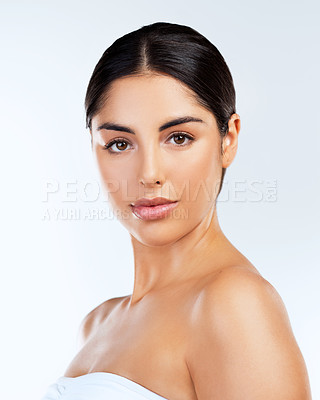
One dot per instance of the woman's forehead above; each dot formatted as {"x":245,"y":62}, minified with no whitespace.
{"x":150,"y":96}
{"x":150,"y":88}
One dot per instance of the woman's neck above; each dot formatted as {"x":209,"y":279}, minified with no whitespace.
{"x":191,"y":256}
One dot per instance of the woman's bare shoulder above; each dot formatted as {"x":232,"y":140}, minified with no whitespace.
{"x":93,"y":319}
{"x":241,"y":277}
{"x":234,"y":291}
{"x":241,"y":334}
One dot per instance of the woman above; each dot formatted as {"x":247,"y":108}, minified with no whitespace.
{"x":201,"y":323}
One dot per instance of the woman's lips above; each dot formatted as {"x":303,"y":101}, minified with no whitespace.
{"x":153,"y":212}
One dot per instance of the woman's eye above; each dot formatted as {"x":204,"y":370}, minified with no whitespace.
{"x":120,"y":146}
{"x":179,"y":139}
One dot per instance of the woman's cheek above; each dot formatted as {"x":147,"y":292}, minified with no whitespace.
{"x":205,"y":179}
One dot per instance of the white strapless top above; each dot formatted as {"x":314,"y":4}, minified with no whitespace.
{"x":98,"y":386}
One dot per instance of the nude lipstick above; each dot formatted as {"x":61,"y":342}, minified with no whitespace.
{"x":151,"y":209}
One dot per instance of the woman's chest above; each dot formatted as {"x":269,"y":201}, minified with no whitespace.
{"x":147,"y":346}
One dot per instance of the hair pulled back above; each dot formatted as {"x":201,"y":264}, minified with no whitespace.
{"x":167,"y":48}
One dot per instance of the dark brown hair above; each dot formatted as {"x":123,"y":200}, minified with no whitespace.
{"x":176,"y":50}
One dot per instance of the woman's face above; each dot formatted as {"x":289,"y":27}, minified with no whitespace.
{"x":188,"y":167}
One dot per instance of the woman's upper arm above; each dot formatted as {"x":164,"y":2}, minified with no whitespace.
{"x":243,"y":346}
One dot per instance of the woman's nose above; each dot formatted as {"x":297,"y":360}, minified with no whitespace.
{"x":151,"y":170}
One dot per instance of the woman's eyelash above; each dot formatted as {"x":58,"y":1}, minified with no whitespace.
{"x":119,"y":140}
{"x":185,"y":135}
{"x":122,"y":140}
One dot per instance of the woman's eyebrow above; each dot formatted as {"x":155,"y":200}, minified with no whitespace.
{"x":177,"y":121}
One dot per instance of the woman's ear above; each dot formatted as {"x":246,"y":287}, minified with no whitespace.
{"x":91,"y":136}
{"x":230,"y":141}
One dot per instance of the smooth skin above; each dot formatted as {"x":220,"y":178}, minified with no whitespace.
{"x":201,"y":323}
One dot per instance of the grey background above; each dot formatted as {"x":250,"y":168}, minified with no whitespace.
{"x":54,"y":271}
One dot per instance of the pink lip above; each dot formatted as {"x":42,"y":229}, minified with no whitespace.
{"x":155,"y":201}
{"x":153,"y":212}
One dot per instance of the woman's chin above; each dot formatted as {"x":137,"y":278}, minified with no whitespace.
{"x":155,"y":235}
